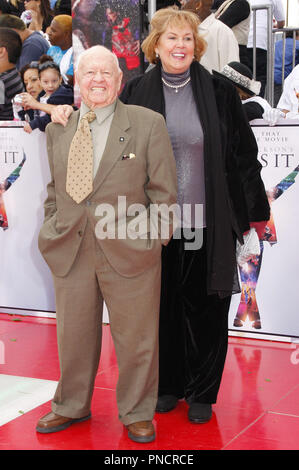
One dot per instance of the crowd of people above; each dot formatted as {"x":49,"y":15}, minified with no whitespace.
{"x":215,"y":155}
{"x":36,"y":60}
{"x":45,"y":28}
{"x":177,"y":133}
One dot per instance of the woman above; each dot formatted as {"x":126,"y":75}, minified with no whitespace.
{"x":217,"y":168}
{"x":30,"y":76}
{"x":54,"y":93}
{"x":248,"y":89}
{"x":41,"y":14}
{"x":216,"y":157}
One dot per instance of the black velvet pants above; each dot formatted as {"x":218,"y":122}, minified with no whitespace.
{"x":193,"y":327}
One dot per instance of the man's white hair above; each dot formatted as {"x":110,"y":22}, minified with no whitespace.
{"x":96,"y":48}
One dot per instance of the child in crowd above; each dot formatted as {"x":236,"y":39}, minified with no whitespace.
{"x":54,"y":93}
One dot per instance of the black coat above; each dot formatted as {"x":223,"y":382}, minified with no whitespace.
{"x":235,"y":193}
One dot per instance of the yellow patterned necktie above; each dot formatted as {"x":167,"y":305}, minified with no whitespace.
{"x":79,"y":176}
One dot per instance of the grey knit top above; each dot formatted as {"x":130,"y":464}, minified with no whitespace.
{"x":187,"y":140}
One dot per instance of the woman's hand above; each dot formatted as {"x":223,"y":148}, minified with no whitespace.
{"x":61,"y":114}
{"x":27,"y":128}
{"x":28,"y":102}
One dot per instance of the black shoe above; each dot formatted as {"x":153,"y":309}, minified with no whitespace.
{"x":200,"y":412}
{"x":166,"y":403}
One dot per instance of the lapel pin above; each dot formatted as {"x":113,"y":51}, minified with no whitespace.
{"x":121,"y":139}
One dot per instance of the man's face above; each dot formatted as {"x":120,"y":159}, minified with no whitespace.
{"x":99,"y":79}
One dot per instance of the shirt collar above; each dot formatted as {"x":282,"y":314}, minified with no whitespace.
{"x":101,"y":113}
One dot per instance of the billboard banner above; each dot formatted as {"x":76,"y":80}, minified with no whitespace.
{"x":25,"y":280}
{"x":268,"y":301}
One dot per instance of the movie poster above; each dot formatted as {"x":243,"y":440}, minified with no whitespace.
{"x":115,"y":24}
{"x":25,"y":280}
{"x":269,"y":283}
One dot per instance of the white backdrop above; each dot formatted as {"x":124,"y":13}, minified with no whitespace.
{"x":26,"y":284}
{"x":277,"y":287}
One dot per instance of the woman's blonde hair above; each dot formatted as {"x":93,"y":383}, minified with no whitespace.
{"x":172,"y":16}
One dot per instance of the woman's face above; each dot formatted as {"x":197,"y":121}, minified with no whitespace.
{"x":111,"y":15}
{"x":32,"y":83}
{"x":176,"y":49}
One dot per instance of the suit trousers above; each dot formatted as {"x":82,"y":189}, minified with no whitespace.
{"x":193,"y":326}
{"x":133,"y":306}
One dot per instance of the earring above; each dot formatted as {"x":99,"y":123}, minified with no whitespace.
{"x":157,"y":55}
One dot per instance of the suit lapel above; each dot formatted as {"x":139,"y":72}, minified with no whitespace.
{"x":117,"y":142}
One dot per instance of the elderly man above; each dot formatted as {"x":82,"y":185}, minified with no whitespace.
{"x":132,"y":160}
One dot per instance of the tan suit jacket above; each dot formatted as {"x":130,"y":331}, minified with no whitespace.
{"x":148,"y":178}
